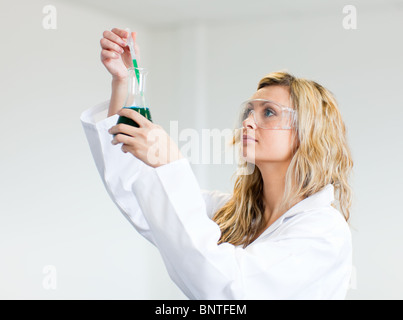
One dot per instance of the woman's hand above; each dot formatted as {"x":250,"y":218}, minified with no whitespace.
{"x":150,"y":142}
{"x":115,"y":54}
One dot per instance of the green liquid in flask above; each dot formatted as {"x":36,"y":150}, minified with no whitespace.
{"x":145,"y":112}
{"x":135,"y":99}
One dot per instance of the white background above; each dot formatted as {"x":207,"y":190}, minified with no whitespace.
{"x":205,"y":57}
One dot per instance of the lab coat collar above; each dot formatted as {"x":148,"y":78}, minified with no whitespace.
{"x":319,"y":199}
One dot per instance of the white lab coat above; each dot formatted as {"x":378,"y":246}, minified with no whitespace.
{"x":305,"y":254}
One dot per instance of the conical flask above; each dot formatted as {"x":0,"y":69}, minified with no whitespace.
{"x":135,"y":98}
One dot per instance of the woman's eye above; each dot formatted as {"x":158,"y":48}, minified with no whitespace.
{"x":268,"y":112}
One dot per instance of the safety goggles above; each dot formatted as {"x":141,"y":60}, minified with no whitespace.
{"x":267,"y":114}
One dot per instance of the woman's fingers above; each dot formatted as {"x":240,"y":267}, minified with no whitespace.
{"x":116,"y":41}
{"x":135,"y":116}
{"x":121,"y":33}
{"x":125,"y":129}
{"x":121,"y":138}
{"x":106,"y":54}
{"x":112,"y":41}
{"x":112,"y":36}
{"x":109,"y":45}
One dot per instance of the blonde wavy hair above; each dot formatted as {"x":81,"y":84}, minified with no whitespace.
{"x":321,"y":157}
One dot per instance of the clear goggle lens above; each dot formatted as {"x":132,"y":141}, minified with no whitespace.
{"x":267,"y":114}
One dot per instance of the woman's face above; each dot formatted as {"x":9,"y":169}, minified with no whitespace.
{"x":271,"y":145}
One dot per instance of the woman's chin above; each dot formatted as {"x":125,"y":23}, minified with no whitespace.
{"x":248,"y":156}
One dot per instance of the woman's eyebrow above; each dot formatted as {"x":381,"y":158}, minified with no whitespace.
{"x":269,"y":103}
{"x":273,"y":103}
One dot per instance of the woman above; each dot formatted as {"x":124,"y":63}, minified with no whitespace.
{"x":279,"y":235}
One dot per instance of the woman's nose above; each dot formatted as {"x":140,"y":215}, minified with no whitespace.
{"x":249,"y":122}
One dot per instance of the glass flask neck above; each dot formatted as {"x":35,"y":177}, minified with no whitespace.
{"x":136,"y":88}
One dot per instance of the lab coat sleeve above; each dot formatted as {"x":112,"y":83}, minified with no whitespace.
{"x":117,"y":169}
{"x":289,"y":268}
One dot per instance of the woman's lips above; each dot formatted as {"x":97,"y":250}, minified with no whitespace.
{"x":245,"y":138}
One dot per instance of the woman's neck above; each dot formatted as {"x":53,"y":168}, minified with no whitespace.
{"x":273,"y":175}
